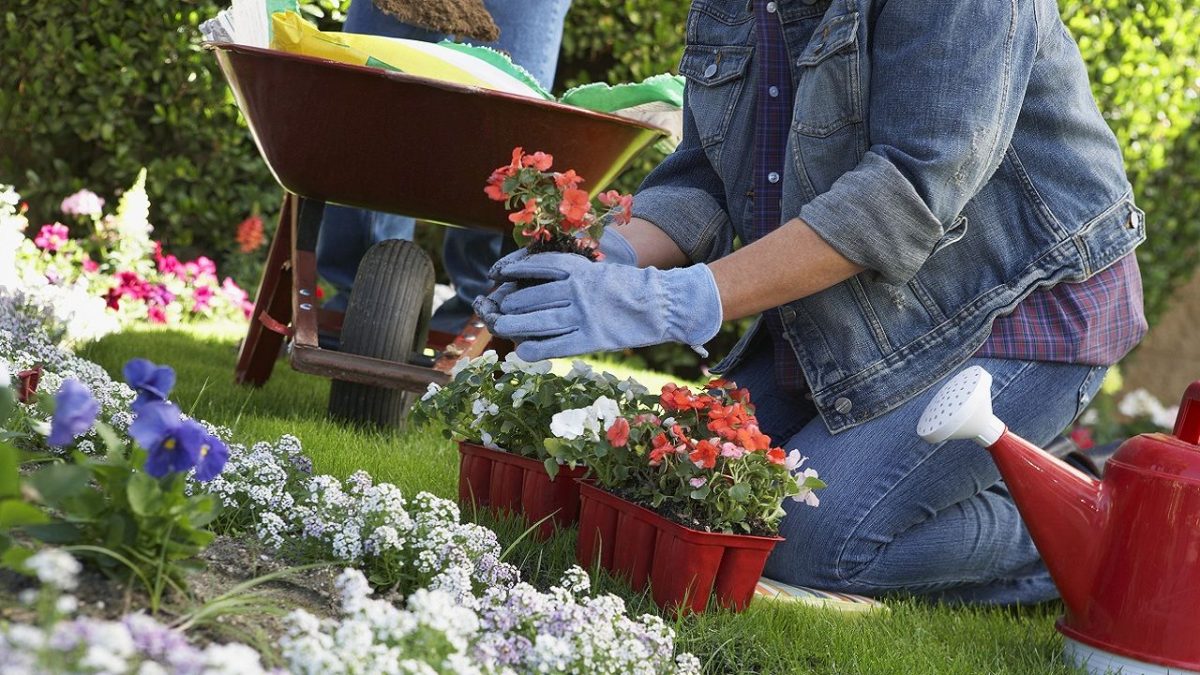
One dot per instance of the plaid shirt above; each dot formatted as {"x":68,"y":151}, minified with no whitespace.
{"x":1094,"y":322}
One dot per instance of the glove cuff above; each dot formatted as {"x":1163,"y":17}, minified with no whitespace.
{"x":693,"y":292}
{"x":616,"y":248}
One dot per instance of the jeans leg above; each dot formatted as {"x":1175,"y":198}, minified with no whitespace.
{"x":530,"y":33}
{"x":903,"y":515}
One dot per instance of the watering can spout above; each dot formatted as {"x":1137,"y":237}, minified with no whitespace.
{"x":1063,"y":508}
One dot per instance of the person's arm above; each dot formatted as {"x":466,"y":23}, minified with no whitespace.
{"x":679,"y":211}
{"x":941,"y":119}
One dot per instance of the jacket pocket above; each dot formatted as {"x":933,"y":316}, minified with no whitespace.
{"x":828,"y":90}
{"x":715,"y":77}
{"x":956,"y":231}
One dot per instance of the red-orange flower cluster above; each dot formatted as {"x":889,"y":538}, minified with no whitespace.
{"x":250,"y":234}
{"x":724,"y":411}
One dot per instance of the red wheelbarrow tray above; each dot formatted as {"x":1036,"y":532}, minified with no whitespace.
{"x":394,"y":142}
{"x":388,"y":141}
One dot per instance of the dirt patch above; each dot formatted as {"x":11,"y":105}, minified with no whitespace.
{"x":461,"y":18}
{"x":229,"y":561}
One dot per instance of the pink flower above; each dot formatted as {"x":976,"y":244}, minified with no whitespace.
{"x":82,"y":203}
{"x":732,"y":451}
{"x":156,"y":314}
{"x":202,"y":297}
{"x":52,"y":237}
{"x":698,"y":482}
{"x":169,"y":265}
{"x":90,"y":266}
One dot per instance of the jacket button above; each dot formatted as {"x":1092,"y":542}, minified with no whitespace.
{"x":710,"y":70}
{"x":843,"y":405}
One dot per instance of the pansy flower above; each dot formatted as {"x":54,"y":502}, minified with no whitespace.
{"x":172,"y":444}
{"x":75,"y":412}
{"x":151,"y":382}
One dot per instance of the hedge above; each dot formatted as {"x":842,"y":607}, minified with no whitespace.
{"x":91,"y":92}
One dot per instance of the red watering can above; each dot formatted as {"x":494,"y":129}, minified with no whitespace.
{"x":1124,"y":551}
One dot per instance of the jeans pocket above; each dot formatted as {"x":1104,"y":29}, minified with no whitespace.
{"x":1087,"y":391}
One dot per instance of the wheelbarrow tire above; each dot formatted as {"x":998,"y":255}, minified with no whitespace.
{"x":387,"y":316}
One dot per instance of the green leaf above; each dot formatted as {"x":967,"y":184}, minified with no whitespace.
{"x":740,"y":492}
{"x":551,"y":467}
{"x":59,"y":482}
{"x":701,"y":493}
{"x":14,"y":558}
{"x":16,"y":513}
{"x":10,"y":476}
{"x":145,"y":495}
{"x":55,"y":533}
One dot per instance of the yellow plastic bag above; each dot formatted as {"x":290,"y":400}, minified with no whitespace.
{"x":291,"y":33}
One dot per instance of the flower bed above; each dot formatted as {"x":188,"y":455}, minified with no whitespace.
{"x":465,"y":609}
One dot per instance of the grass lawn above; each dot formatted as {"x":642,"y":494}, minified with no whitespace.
{"x":768,"y":638}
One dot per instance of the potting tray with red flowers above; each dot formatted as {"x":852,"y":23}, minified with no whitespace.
{"x":684,"y":568}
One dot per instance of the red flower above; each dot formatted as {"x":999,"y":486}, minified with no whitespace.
{"x":1082,"y":436}
{"x":675,"y":398}
{"x":493,"y":191}
{"x":156,"y":314}
{"x":250,"y":234}
{"x":113,"y":298}
{"x":518,"y":153}
{"x":662,"y":448}
{"x":574,"y":205}
{"x":618,"y":433}
{"x":777,"y":456}
{"x":610,"y":198}
{"x":538,"y":160}
{"x":525,"y":216}
{"x":626,"y":213}
{"x":570,"y":179}
{"x":705,"y":455}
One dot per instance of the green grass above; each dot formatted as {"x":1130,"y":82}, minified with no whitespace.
{"x":913,"y":637}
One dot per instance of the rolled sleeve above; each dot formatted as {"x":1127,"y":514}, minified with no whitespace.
{"x":940,"y":122}
{"x":685,"y":198}
{"x":874,"y":217}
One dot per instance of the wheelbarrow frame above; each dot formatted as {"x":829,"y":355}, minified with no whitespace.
{"x":267,"y":84}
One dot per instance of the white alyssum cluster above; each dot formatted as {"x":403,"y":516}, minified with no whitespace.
{"x":1140,"y":403}
{"x":56,"y":568}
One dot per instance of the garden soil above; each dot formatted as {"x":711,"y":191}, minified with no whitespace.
{"x":461,"y":18}
{"x":228,"y":561}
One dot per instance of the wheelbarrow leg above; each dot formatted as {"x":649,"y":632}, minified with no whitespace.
{"x":272,"y":304}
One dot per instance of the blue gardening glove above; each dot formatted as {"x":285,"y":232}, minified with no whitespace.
{"x":587,"y":307}
{"x":616,"y":250}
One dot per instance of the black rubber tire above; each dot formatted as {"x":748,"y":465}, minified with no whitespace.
{"x":387,"y":317}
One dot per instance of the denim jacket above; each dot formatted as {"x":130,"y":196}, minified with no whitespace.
{"x":950,"y":147}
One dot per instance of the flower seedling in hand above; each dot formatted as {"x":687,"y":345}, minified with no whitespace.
{"x":550,"y":211}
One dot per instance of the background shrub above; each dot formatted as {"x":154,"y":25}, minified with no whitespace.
{"x":92,"y":91}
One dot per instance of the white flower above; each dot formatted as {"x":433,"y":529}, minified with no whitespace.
{"x":66,"y":604}
{"x":431,"y":390}
{"x":513,"y":363}
{"x":606,"y":411}
{"x":56,"y":568}
{"x":569,"y":424}
{"x":1140,"y":403}
{"x":806,"y":494}
{"x":579,"y":371}
{"x":794,"y":460}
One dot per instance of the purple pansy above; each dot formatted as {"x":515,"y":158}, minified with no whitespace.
{"x":172,"y":444}
{"x":74,"y":413}
{"x":213,"y":455}
{"x":152,"y":382}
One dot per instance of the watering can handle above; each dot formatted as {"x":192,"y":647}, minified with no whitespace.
{"x":1187,"y":423}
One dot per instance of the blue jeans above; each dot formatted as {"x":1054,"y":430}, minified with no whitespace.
{"x":901,"y":515}
{"x":530,"y":32}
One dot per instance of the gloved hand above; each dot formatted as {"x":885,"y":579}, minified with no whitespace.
{"x":587,"y":307}
{"x":616,"y":250}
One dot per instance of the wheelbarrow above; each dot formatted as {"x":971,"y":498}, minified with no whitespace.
{"x":386,"y":141}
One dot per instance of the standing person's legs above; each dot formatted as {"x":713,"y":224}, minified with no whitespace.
{"x":903,"y":515}
{"x":530,"y":33}
{"x":348,"y":233}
